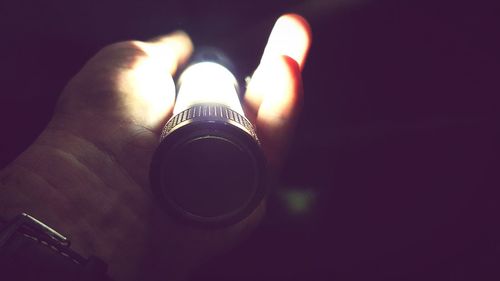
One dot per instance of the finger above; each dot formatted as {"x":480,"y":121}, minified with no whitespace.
{"x":173,"y":49}
{"x":291,"y":37}
{"x":279,"y":109}
{"x":274,"y":93}
{"x":150,"y":78}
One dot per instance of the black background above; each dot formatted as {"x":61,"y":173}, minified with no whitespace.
{"x":397,"y":146}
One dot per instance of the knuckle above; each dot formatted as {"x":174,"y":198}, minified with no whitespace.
{"x":121,"y":55}
{"x":125,"y":49}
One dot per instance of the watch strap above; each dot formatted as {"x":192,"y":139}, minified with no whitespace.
{"x":30,"y":250}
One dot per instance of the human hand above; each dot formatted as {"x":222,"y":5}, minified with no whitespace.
{"x":87,"y":173}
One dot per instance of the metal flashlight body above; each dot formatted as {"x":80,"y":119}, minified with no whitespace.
{"x":209,"y":168}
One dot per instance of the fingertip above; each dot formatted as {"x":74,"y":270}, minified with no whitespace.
{"x":301,"y":22}
{"x":176,"y":45}
{"x":290,"y":36}
{"x":177,"y":36}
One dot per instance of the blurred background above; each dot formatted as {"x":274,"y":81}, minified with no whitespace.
{"x":393,"y":171}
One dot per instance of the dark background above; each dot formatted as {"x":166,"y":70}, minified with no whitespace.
{"x":393,"y":170}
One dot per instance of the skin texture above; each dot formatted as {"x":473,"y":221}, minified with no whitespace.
{"x":87,"y":173}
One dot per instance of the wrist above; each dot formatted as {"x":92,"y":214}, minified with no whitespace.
{"x":53,"y":181}
{"x":27,"y":188}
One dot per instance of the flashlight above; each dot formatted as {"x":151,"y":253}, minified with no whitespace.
{"x":209,"y":168}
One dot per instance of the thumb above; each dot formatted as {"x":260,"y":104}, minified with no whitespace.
{"x":172,"y":50}
{"x":151,"y":76}
{"x":129,"y":81}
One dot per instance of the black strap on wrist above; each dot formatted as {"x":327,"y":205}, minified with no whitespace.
{"x":30,"y":250}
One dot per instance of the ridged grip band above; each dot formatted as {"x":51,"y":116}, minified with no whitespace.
{"x":213,"y":112}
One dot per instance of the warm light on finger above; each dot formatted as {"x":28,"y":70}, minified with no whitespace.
{"x":171,"y":50}
{"x":148,"y":86}
{"x":150,"y":91}
{"x":270,"y":81}
{"x":291,"y":36}
{"x":281,"y":80}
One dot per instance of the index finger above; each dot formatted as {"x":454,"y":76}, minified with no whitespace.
{"x":274,"y":93}
{"x":291,"y":37}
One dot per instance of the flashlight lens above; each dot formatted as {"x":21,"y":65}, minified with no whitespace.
{"x":224,"y":174}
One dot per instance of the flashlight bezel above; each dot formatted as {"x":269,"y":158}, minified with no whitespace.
{"x":180,"y":130}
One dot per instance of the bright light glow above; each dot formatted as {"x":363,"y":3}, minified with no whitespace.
{"x":291,"y":36}
{"x":146,"y":91}
{"x":272,"y":91}
{"x":207,"y":82}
